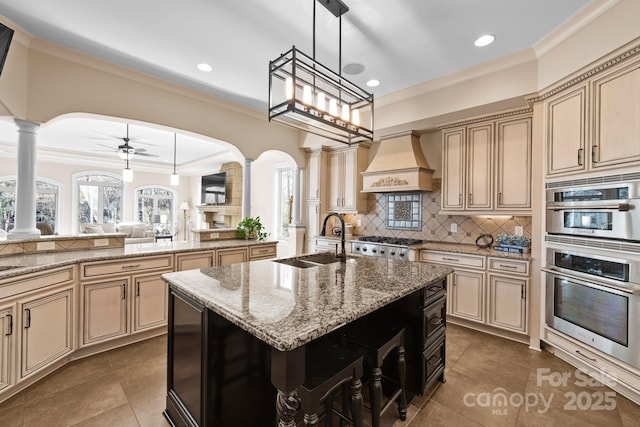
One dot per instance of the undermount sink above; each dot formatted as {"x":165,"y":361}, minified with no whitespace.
{"x":313,"y":260}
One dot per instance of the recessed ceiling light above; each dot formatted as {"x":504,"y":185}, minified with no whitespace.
{"x":353,"y":68}
{"x":205,"y":67}
{"x":373,"y":83}
{"x":484,"y":40}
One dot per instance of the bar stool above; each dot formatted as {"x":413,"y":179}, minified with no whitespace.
{"x":329,"y":366}
{"x":375,"y":338}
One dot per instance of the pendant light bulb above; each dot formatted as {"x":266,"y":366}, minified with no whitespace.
{"x":355,"y":117}
{"x":345,"y":113}
{"x":175,"y":178}
{"x":288,"y":88}
{"x":321,"y":102}
{"x":306,"y":95}
{"x":333,"y":107}
{"x":127,"y":175}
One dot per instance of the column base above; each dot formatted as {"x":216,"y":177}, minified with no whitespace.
{"x":23,"y":234}
{"x":296,"y":239}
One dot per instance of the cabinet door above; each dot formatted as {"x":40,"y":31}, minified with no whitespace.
{"x":313,"y":222}
{"x":151,"y":302}
{"x":315,"y":175}
{"x":104,"y":310}
{"x":335,"y":172}
{"x":480,"y":168}
{"x":468,"y":295}
{"x":6,"y":346}
{"x":507,"y":303}
{"x":47,"y":330}
{"x":231,"y":256}
{"x":453,"y":169}
{"x":616,"y":139}
{"x":567,"y":122}
{"x":194,"y":260}
{"x":514,"y":164}
{"x":350,"y":192}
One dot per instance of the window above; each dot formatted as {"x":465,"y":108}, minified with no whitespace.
{"x":99,"y":199}
{"x":285,"y":201}
{"x":47,"y":195}
{"x":155,"y":206}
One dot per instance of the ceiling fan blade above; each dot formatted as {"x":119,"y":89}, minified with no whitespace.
{"x":108,"y":146}
{"x":138,"y":153}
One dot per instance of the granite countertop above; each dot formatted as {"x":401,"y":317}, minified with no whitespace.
{"x":462,"y":248}
{"x":287,"y":307}
{"x":30,"y":263}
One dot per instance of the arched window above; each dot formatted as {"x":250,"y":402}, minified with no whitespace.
{"x":47,"y":196}
{"x":156,"y":207}
{"x":99,"y":199}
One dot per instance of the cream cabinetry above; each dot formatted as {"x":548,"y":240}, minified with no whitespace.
{"x":566,"y":131}
{"x":123,"y":297}
{"x":485,"y":292}
{"x":46,"y":329}
{"x":345,"y":179}
{"x":195,"y":260}
{"x":316,"y":170}
{"x":513,"y":172}
{"x":486,"y":168}
{"x":231,"y":256}
{"x":468,"y":166}
{"x":7,"y":343}
{"x":593,"y":126}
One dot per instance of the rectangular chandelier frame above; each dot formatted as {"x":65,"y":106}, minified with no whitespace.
{"x":306,"y":95}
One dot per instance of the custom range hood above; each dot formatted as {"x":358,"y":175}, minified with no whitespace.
{"x":399,"y":165}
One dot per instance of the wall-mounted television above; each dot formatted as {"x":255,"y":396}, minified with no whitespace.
{"x":6,"y":34}
{"x":214,"y":189}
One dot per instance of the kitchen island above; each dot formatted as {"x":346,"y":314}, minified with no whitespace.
{"x":237,"y":331}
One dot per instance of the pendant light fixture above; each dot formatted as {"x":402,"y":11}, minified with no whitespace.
{"x":127,"y":174}
{"x":307,"y":95}
{"x":175,"y":178}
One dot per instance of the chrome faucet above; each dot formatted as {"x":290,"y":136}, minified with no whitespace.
{"x":343,"y":253}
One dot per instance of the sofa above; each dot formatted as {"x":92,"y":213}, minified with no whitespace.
{"x":134,"y":232}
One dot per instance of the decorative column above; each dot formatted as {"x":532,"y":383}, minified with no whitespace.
{"x":246,"y":188}
{"x":297,"y":228}
{"x":25,"y":212}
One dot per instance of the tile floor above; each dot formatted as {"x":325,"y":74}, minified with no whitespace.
{"x":126,"y":387}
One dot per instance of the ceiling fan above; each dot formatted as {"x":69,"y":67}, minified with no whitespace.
{"x":127,"y":150}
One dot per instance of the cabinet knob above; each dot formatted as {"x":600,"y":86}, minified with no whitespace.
{"x":10,"y":317}
{"x":28,"y":322}
{"x":580,"y":157}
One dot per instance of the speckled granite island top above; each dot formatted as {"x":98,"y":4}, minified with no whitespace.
{"x":287,"y":307}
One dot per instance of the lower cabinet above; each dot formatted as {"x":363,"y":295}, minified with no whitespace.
{"x":150,"y":302}
{"x":507,"y":302}
{"x":6,"y":345}
{"x":231,"y":256}
{"x":195,"y":260}
{"x":467,"y":294}
{"x":46,"y":330}
{"x":486,"y":291}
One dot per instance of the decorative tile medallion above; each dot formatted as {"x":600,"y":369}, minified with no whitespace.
{"x":404,"y":211}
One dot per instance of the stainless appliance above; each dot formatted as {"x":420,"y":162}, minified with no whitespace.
{"x":593,"y":295}
{"x":386,"y":247}
{"x":606,"y":207}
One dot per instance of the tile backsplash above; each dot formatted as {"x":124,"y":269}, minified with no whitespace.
{"x":436,"y":227}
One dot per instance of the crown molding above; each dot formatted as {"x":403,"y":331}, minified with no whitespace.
{"x":481,"y":119}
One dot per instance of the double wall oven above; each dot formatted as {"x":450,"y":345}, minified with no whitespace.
{"x":593,"y":263}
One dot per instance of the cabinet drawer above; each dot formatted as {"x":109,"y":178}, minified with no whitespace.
{"x":509,"y":266}
{"x":453,"y":259}
{"x":125,"y":266}
{"x":262,"y":251}
{"x":433,"y":362}
{"x":434,"y":321}
{"x":31,"y":282}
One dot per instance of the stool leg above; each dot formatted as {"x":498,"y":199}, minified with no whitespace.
{"x":345,"y":403}
{"x":356,"y":402}
{"x":402,"y":372}
{"x":376,"y":396}
{"x":311,"y":419}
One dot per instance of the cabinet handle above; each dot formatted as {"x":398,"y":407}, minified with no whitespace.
{"x":316,"y":208}
{"x":454,"y":280}
{"x":450,"y":259}
{"x":10,"y":317}
{"x":435,"y":321}
{"x":337,"y":201}
{"x":499,"y":198}
{"x":469,"y":201}
{"x":595,"y":154}
{"x":343,"y":202}
{"x":137,"y":289}
{"x":124,"y":292}
{"x":580,"y":156}
{"x":130,"y":266}
{"x":508,"y":266}
{"x":317,"y":193}
{"x":28,"y":311}
{"x":522,"y":291}
{"x":460,"y":199}
{"x":586,"y":357}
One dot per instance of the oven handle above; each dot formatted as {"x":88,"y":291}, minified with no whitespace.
{"x":622,"y":207}
{"x":631,"y":290}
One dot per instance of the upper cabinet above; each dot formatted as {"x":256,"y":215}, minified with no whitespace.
{"x":316,"y":161}
{"x":486,"y":167}
{"x":594,"y":125}
{"x":345,"y":179}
